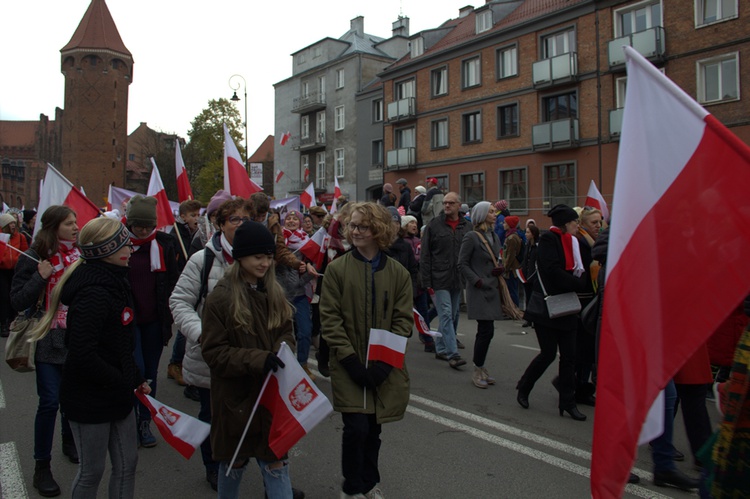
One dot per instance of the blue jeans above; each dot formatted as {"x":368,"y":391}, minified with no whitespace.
{"x":48,"y":377}
{"x":447,"y":304}
{"x":205,"y":415}
{"x":512,"y":283}
{"x":148,"y":348}
{"x":302,"y":327}
{"x":276,"y":481}
{"x":662,"y":450}
{"x":178,"y":349}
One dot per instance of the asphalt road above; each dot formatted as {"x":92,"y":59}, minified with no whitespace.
{"x":456,"y":441}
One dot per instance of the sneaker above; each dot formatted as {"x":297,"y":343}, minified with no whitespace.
{"x":191,"y":392}
{"x":375,"y":493}
{"x":145,"y":437}
{"x":174,"y":371}
{"x":456,"y":362}
{"x":478,"y":378}
{"x":489,"y":379}
{"x":441,"y":356}
{"x":459,"y":344}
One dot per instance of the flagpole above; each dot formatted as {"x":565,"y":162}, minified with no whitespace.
{"x":23,"y":253}
{"x":247,"y":426}
{"x":364,"y":388}
{"x":179,"y":238}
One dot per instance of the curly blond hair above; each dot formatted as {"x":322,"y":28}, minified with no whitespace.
{"x":380,"y":221}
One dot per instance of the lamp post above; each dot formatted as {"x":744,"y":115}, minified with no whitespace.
{"x":235,"y":99}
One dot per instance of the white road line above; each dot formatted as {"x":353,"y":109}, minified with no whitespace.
{"x":2,"y":396}
{"x":527,"y":451}
{"x":526,"y":347}
{"x":11,"y":478}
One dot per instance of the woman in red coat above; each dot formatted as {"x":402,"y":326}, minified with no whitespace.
{"x":8,"y":259}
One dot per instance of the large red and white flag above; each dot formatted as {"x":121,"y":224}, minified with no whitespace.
{"x":387,"y":347}
{"x":336,"y":195}
{"x":295,"y":403}
{"x":595,"y":199}
{"x":285,"y":138}
{"x":184,"y":192}
{"x":184,"y":433}
{"x":307,"y":198}
{"x":316,"y":247}
{"x":164,"y":215}
{"x":57,"y":190}
{"x":654,"y":317}
{"x":279,"y":174}
{"x":236,"y":180}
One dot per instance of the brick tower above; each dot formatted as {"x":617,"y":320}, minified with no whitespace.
{"x":98,"y":69}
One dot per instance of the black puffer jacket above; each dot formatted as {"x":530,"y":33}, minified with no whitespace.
{"x":99,"y":374}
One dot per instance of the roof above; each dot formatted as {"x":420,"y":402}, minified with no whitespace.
{"x":97,"y":30}
{"x":18,"y":133}
{"x":362,"y":44}
{"x":264,"y":152}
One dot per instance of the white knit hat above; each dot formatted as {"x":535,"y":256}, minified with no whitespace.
{"x":406,"y":219}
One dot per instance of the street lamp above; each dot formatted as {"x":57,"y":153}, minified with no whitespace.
{"x":236,"y":99}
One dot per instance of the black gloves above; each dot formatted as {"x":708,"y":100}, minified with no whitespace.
{"x":378,"y":372}
{"x":272,"y":363}
{"x":355,"y":368}
{"x":478,"y":284}
{"x":498,"y":271}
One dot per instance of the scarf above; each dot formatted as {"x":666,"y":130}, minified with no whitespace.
{"x":226,"y":249}
{"x":67,"y":254}
{"x":156,"y":252}
{"x":295,"y":239}
{"x":572,"y":251}
{"x":595,"y":265}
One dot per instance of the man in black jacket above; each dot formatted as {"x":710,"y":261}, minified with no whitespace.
{"x":405,"y":194}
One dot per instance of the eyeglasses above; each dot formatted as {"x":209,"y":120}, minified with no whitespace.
{"x":235,"y":220}
{"x":362,"y":229}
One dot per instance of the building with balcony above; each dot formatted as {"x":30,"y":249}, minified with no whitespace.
{"x":318,"y":105}
{"x":522,"y":99}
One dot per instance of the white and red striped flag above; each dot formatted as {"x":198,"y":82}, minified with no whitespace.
{"x":387,"y":347}
{"x":422,"y":326}
{"x":595,"y":199}
{"x":307,"y":198}
{"x":306,"y":175}
{"x":184,"y":433}
{"x":653,"y":319}
{"x":56,"y":190}
{"x":184,"y":192}
{"x":316,"y":247}
{"x":4,"y":242}
{"x":279,"y":174}
{"x":285,"y":138}
{"x":336,"y":195}
{"x":236,"y":180}
{"x":164,"y":215}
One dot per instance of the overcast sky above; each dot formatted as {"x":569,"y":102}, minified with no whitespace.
{"x":185,"y":51}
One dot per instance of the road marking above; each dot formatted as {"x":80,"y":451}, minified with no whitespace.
{"x":526,"y":347}
{"x":2,"y":396}
{"x":11,"y":478}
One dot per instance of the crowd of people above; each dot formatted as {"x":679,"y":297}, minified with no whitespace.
{"x":234,"y":284}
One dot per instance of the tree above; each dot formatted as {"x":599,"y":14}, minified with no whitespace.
{"x":204,"y":154}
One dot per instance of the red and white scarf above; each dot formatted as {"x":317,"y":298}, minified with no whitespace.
{"x":572,"y":251}
{"x":156,"y":252}
{"x":295,"y":239}
{"x":226,"y":249}
{"x":67,"y":254}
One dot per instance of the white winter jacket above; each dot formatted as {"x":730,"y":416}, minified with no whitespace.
{"x":187,"y":318}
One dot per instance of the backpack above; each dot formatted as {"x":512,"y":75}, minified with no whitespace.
{"x":208,"y":262}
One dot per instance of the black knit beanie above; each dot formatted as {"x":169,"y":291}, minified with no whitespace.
{"x":105,"y":248}
{"x":252,"y":238}
{"x":141,"y":211}
{"x":562,"y":214}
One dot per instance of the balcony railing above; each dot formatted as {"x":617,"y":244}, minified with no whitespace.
{"x":297,"y":186}
{"x":615,"y":122}
{"x":561,"y":68}
{"x":398,"y":159}
{"x":649,"y":43}
{"x":403,"y":109}
{"x":310,"y":102}
{"x":310,"y":142}
{"x":558,"y":134}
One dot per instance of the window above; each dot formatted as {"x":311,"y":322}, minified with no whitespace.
{"x":514,"y":188}
{"x":637,"y":18}
{"x":321,"y":128}
{"x":484,"y":21}
{"x":507,"y":62}
{"x":712,"y":11}
{"x":304,"y":167}
{"x":507,"y":120}
{"x":405,"y":89}
{"x":338,"y":118}
{"x":439,"y":133}
{"x":472,"y":127}
{"x":320,"y":170}
{"x":718,"y":79}
{"x":304,"y":127}
{"x":417,"y":47}
{"x":340,"y":78}
{"x":377,"y":152}
{"x":131,"y":157}
{"x":404,"y":137}
{"x":316,"y":52}
{"x":621,"y":85}
{"x":471,"y":74}
{"x":305,"y":89}
{"x":377,"y":110}
{"x":339,"y":162}
{"x":439,"y":81}
{"x":559,"y":43}
{"x":322,"y":88}
{"x":560,"y":107}
{"x":472,"y":188}
{"x":559,"y":185}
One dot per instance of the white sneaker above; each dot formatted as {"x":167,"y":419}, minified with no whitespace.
{"x":375,"y":493}
{"x":344,"y":495}
{"x":489,"y":379}
{"x":478,"y":378}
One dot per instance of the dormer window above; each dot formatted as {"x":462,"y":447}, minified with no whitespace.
{"x":484,"y":21}
{"x":417,"y":47}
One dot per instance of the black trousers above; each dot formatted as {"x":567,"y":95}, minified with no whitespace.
{"x":360,"y":448}
{"x":549,"y":342}
{"x":7,"y":314}
{"x":485,"y":333}
{"x":695,"y":415}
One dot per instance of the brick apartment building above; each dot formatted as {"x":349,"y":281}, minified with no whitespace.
{"x":522,"y":100}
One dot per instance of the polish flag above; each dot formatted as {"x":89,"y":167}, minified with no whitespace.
{"x":279,"y":174}
{"x":184,"y":433}
{"x":421,"y":325}
{"x":285,"y":138}
{"x":236,"y":180}
{"x":595,"y":199}
{"x":109,"y":198}
{"x":164,"y":215}
{"x":387,"y":347}
{"x":295,"y":403}
{"x":306,"y":175}
{"x":336,"y":194}
{"x":184,"y":192}
{"x":57,"y":190}
{"x":4,"y":242}
{"x":307,"y":198}
{"x":316,"y":247}
{"x":653,"y":318}
{"x":5,"y":207}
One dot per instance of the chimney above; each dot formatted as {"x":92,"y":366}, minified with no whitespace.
{"x":401,"y":27}
{"x":358,"y":25}
{"x":465,"y":11}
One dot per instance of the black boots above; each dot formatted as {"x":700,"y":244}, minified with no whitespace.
{"x":43,"y":480}
{"x":69,"y":449}
{"x":574,"y":413}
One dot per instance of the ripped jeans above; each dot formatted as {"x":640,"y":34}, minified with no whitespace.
{"x":276,"y":481}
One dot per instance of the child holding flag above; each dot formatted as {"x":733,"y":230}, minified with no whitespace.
{"x":365,"y":291}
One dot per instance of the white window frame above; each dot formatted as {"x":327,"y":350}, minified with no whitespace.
{"x":700,"y":7}
{"x":439,"y":87}
{"x":340,"y":78}
{"x":471,"y":75}
{"x":405,"y":89}
{"x":439,"y":129}
{"x":507,"y":56}
{"x":484,"y":21}
{"x":339,"y":118}
{"x":701,"y":77}
{"x":377,"y":110}
{"x":320,"y":127}
{"x":339,"y":162}
{"x":417,"y":47}
{"x":304,"y":163}
{"x":405,"y":137}
{"x":305,"y":89}
{"x":320,"y":170}
{"x":651,"y":23}
{"x":304,"y":127}
{"x":568,"y":41}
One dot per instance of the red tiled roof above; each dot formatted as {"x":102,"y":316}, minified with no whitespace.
{"x":18,"y":133}
{"x":264,"y":152}
{"x":97,"y":30}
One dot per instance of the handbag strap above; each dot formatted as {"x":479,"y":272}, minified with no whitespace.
{"x":487,"y":245}
{"x":539,"y":276}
